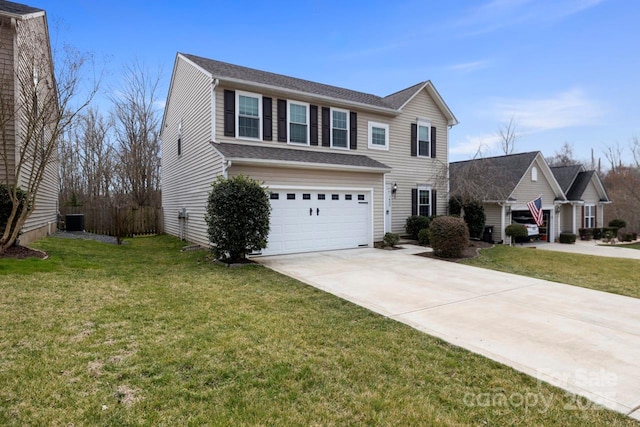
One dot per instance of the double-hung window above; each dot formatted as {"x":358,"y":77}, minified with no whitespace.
{"x":249,"y":110}
{"x":424,"y":140}
{"x":339,"y":128}
{"x":424,"y":201}
{"x":589,"y":216}
{"x":298,"y":123}
{"x":378,"y":136}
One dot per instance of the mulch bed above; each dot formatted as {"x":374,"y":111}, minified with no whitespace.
{"x":470,"y":252}
{"x":22,"y":252}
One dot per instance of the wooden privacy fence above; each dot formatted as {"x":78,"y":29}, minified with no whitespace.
{"x":126,"y":222}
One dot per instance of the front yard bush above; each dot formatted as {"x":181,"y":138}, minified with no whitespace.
{"x":449,"y":236}
{"x":517,"y":232}
{"x":391,"y":240}
{"x":237,"y":217}
{"x":568,"y":238}
{"x":617,"y":223}
{"x":423,"y":237}
{"x":6,"y":206}
{"x":473,"y":212}
{"x":585,"y":233}
{"x":414,"y":224}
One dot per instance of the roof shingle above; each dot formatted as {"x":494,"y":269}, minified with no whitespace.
{"x":242,"y":151}
{"x":17,"y":8}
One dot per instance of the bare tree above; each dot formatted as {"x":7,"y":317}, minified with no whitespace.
{"x":508,"y":136}
{"x":137,"y":124}
{"x":563,"y":157}
{"x":623,"y":183}
{"x":33,"y":116}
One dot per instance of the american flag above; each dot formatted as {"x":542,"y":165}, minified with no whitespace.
{"x":535,"y":207}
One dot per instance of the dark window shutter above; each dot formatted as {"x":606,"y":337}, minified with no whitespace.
{"x":326,"y":127}
{"x":414,"y":139}
{"x":282,"y":120}
{"x":582,"y":217}
{"x":414,"y":201}
{"x":433,"y":142}
{"x":313,"y":122}
{"x":229,"y":113}
{"x":179,"y":145}
{"x":267,"y":119}
{"x":434,"y":202}
{"x":353,"y":136}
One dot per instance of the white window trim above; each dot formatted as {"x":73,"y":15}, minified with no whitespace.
{"x":425,"y":188}
{"x":386,"y":136}
{"x":260,"y":118}
{"x":534,"y":174}
{"x":331,"y":128}
{"x":592,"y":216}
{"x":306,"y":105}
{"x":427,"y":124}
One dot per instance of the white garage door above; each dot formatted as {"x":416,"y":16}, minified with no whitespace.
{"x":305,"y":220}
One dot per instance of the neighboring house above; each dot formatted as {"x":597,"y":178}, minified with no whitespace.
{"x":343,"y":167}
{"x":25,"y":56}
{"x":505,"y":184}
{"x":586,"y":198}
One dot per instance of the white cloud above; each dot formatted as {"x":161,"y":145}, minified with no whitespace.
{"x":498,"y":14}
{"x":468,"y":67}
{"x":562,"y":110}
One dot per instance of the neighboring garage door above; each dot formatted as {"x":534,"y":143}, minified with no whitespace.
{"x":305,"y":220}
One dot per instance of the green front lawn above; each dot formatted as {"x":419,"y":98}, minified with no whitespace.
{"x":615,"y":275}
{"x":143,"y":334}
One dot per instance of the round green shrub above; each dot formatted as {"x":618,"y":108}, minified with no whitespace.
{"x":391,"y":239}
{"x":423,"y":237}
{"x":237,"y":217}
{"x":516,"y":231}
{"x":449,"y":236}
{"x":414,"y":224}
{"x":617,"y":223}
{"x":568,"y":238}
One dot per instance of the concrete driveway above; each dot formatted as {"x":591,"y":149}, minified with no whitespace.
{"x":591,"y":248}
{"x":584,"y":341}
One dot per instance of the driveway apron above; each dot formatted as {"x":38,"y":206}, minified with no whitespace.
{"x":583,"y":341}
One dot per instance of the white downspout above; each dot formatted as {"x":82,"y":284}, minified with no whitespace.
{"x":214,"y":83}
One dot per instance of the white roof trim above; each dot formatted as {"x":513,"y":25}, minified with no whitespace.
{"x":451,"y":119}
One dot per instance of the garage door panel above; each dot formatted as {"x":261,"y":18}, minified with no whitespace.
{"x":303,"y":221}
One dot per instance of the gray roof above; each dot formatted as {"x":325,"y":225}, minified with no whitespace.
{"x":579,"y":185}
{"x":495,"y":177}
{"x":241,"y":151}
{"x":224,"y":70}
{"x":566,"y":175}
{"x":17,"y":8}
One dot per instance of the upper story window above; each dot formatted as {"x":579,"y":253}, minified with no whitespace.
{"x":249,"y":112}
{"x":534,"y":173}
{"x":339,"y":129}
{"x":378,"y":136}
{"x":298,"y":123}
{"x":424,"y":141}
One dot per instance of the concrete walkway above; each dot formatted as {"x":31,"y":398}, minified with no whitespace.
{"x":591,"y":248}
{"x":584,"y":341}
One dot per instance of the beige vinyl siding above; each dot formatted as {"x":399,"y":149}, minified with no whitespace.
{"x":566,"y":218}
{"x":33,"y":50}
{"x":590,"y":194}
{"x":528,"y":190}
{"x":7,"y":132}
{"x":319,"y":179}
{"x":187,"y":179}
{"x":493,"y":213}
{"x":407,"y":172}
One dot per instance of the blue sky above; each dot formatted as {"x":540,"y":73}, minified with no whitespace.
{"x":566,"y":70}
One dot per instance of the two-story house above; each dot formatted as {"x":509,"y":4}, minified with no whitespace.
{"x":26,"y":70}
{"x":342,"y":167}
